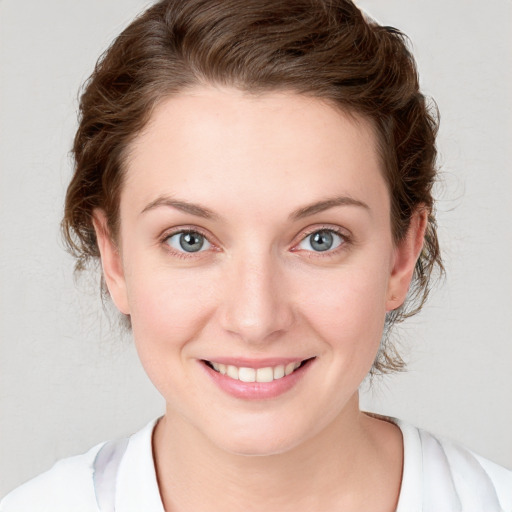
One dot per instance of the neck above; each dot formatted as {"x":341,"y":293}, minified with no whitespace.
{"x":331,"y":470}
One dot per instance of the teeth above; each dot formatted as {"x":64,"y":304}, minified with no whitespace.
{"x":291,"y":367}
{"x":232,"y":371}
{"x":279,"y":372}
{"x":267,"y":374}
{"x":264,"y":375}
{"x":247,"y":374}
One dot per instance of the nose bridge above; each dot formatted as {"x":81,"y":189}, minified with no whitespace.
{"x":256,"y":304}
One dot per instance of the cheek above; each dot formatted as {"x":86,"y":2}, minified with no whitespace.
{"x":347,"y":308}
{"x":169,"y":309}
{"x":168,"y":306}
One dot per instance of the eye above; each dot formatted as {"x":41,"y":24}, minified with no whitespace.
{"x":188,"y":241}
{"x":321,"y":241}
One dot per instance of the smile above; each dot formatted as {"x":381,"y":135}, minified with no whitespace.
{"x":256,"y":380}
{"x":245,"y":374}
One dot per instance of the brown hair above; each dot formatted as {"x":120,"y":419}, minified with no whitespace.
{"x":321,"y":48}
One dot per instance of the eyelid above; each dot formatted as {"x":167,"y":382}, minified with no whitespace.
{"x":341,"y":232}
{"x":344,"y":233}
{"x":177,"y":244}
{"x":184,"y":229}
{"x":187,"y":229}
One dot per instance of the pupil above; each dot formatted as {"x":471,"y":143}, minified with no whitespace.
{"x":191,"y":242}
{"x":322,"y":241}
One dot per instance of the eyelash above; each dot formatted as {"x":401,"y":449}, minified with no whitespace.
{"x":184,"y":254}
{"x":346,"y":241}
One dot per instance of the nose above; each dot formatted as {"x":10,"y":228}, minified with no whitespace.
{"x":256,"y":305}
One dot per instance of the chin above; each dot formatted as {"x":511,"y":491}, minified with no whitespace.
{"x":260,"y":439}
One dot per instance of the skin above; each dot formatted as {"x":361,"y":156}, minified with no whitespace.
{"x":258,"y":290}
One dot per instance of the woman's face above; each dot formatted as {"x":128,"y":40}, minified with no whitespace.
{"x":255,"y":237}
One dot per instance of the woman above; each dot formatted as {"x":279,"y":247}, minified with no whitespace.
{"x":256,"y":178}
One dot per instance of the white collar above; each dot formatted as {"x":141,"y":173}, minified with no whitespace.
{"x":136,"y":485}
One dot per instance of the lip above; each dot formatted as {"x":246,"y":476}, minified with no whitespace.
{"x":257,"y":390}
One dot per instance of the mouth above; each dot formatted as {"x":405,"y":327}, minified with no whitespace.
{"x":261,"y":375}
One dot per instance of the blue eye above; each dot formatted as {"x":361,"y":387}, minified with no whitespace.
{"x":321,"y":241}
{"x":188,"y":241}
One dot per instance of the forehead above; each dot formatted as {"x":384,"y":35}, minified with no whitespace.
{"x":212,"y":144}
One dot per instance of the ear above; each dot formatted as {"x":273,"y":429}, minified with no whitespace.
{"x":406,"y":255}
{"x":111,"y":262}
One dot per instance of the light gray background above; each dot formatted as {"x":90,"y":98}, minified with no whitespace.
{"x":67,"y":380}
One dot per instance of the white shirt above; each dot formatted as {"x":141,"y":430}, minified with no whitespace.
{"x":438,"y":476}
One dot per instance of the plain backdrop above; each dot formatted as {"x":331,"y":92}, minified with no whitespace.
{"x":68,"y":380}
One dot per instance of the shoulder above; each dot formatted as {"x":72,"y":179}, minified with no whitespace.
{"x":471,"y":472}
{"x":449,"y":477}
{"x":68,"y":485}
{"x":119,"y":472}
{"x":474,"y":477}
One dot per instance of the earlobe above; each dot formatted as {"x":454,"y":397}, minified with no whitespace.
{"x":406,"y":255}
{"x":111,"y":262}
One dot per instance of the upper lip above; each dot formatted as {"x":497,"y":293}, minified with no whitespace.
{"x":242,"y":362}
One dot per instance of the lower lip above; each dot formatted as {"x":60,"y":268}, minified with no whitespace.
{"x":256,"y":390}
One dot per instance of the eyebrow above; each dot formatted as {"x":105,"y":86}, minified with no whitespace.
{"x":300,"y":213}
{"x":184,"y":206}
{"x":326,"y":204}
